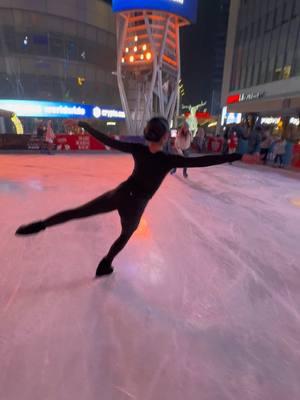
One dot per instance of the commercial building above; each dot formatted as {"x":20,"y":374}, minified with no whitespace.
{"x":62,"y":52}
{"x":262,"y":63}
{"x":219,"y":32}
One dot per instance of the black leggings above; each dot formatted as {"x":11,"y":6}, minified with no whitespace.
{"x":186,"y":154}
{"x":130,"y":208}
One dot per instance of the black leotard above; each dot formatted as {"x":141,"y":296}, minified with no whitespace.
{"x":150,"y":169}
{"x":131,"y":197}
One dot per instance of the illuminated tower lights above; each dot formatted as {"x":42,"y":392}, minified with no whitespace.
{"x":148,"y":69}
{"x":141,"y":53}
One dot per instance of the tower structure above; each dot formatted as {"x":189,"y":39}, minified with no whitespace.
{"x":148,"y":56}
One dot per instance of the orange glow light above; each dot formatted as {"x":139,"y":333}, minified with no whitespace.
{"x":127,"y":50}
{"x":142,"y":56}
{"x":123,"y":60}
{"x":143,"y":230}
{"x":148,"y":56}
{"x":144,"y":47}
{"x":131,"y":59}
{"x":136,"y":38}
{"x":135,"y":49}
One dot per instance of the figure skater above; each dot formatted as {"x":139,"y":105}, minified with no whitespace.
{"x":130,"y":198}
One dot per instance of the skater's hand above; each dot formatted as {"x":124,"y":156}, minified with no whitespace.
{"x":83,"y":124}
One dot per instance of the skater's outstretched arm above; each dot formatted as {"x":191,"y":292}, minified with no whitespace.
{"x":115,"y":144}
{"x":204,"y":161}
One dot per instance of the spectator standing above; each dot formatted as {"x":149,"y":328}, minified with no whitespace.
{"x":265,"y":146}
{"x":49,"y":137}
{"x":279,"y":151}
{"x":200,"y":139}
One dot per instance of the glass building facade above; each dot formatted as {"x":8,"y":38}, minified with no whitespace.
{"x":58,"y":51}
{"x":267,"y":43}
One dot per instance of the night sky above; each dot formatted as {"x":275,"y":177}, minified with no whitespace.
{"x":197,"y":56}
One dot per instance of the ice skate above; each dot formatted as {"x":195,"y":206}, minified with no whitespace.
{"x":104,"y":268}
{"x":31,"y":229}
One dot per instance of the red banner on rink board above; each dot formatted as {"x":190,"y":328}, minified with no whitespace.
{"x":296,"y":156}
{"x":77,"y":142}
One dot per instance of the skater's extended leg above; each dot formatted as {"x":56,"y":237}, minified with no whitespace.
{"x":105,"y":203}
{"x":129,"y":222}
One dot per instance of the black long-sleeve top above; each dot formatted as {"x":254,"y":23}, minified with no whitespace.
{"x":150,"y":168}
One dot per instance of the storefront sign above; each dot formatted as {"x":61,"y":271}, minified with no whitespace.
{"x":294,"y":121}
{"x":230,"y":118}
{"x":49,"y":109}
{"x":77,"y":142}
{"x":250,"y":96}
{"x":270,"y":120}
{"x":240,"y":97}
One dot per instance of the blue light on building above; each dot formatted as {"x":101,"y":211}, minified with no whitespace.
{"x":183,"y":8}
{"x":50,"y":109}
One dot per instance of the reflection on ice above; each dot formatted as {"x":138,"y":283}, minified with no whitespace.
{"x":204,"y":303}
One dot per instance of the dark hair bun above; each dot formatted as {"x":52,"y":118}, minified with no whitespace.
{"x":155,"y":129}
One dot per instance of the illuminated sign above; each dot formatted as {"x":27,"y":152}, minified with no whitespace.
{"x":294,"y":121}
{"x":183,"y":8}
{"x":230,"y":118}
{"x":270,"y":120}
{"x":50,"y":109}
{"x":240,"y":97}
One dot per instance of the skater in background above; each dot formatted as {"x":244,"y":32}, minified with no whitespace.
{"x":151,"y":165}
{"x":182,"y":145}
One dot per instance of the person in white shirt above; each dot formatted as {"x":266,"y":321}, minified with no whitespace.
{"x":182,"y":144}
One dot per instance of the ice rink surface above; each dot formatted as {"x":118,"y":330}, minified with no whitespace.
{"x":204,"y":303}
